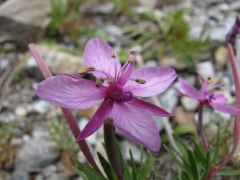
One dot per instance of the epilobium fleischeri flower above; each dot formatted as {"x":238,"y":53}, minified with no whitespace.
{"x":116,"y":86}
{"x":217,"y":101}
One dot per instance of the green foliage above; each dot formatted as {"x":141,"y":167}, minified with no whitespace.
{"x":58,"y":13}
{"x":125,"y":5}
{"x":171,"y":38}
{"x":7,"y":130}
{"x":140,"y":172}
{"x":60,"y":134}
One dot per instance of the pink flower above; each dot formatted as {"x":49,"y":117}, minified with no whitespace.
{"x":217,"y":101}
{"x":116,"y":86}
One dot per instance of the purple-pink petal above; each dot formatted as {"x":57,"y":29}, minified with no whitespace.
{"x":189,"y":90}
{"x":70,"y":92}
{"x":97,"y":120}
{"x":157,"y":111}
{"x":137,"y":124}
{"x":157,"y":80}
{"x":219,"y":99}
{"x":98,"y":54}
{"x":225,"y":109}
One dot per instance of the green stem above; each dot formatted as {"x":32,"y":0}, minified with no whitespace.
{"x":110,"y":145}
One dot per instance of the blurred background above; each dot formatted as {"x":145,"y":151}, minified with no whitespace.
{"x":187,"y":35}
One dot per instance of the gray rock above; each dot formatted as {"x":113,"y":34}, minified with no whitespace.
{"x":57,"y":61}
{"x":21,"y":111}
{"x":41,"y":106}
{"x":206,"y":69}
{"x":20,"y":175}
{"x":104,"y":8}
{"x":14,"y":14}
{"x":151,"y":63}
{"x":114,"y":33}
{"x":159,"y":123}
{"x":125,"y":146}
{"x":189,"y":104}
{"x":169,"y":99}
{"x":36,"y":153}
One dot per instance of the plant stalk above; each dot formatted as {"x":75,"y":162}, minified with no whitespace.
{"x":67,"y":113}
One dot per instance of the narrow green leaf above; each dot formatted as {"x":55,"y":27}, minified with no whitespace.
{"x":199,"y":153}
{"x":141,"y":157}
{"x":228,"y":172}
{"x":134,"y":170}
{"x":174,"y":157}
{"x":193,"y":165}
{"x":185,"y":176}
{"x":216,"y":152}
{"x":153,"y":176}
{"x":106,"y":166}
{"x":125,"y":169}
{"x":208,"y":166}
{"x":144,"y":169}
{"x":90,"y":172}
{"x":182,"y":146}
{"x":80,"y":173}
{"x":174,"y":175}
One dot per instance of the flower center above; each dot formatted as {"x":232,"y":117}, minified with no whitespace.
{"x":115,"y":92}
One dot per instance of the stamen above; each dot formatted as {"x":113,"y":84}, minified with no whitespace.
{"x":113,"y":54}
{"x":209,"y":80}
{"x":111,"y":80}
{"x":133,"y":50}
{"x":82,"y":72}
{"x":131,"y":58}
{"x":90,"y":68}
{"x":140,"y":81}
{"x":99,"y":82}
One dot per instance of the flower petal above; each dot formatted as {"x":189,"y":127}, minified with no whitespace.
{"x":70,"y":92}
{"x":219,"y":99}
{"x":98,"y":54}
{"x":225,"y":109}
{"x":189,"y":90}
{"x":157,"y":80}
{"x":137,"y":124}
{"x":157,"y":111}
{"x":97,"y":120}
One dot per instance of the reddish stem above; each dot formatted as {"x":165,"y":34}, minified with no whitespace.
{"x":200,"y":123}
{"x":67,"y":113}
{"x":237,"y":117}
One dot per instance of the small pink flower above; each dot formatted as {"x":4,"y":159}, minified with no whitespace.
{"x":116,"y":86}
{"x":217,"y":101}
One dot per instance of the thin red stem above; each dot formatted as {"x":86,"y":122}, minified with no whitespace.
{"x":237,"y":117}
{"x":200,"y":125}
{"x":67,"y":113}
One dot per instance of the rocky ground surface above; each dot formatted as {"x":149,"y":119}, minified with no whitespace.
{"x":35,"y":142}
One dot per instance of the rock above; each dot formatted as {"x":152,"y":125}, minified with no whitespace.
{"x":125,"y":146}
{"x":14,"y":14}
{"x":16,"y":142}
{"x":91,"y":139}
{"x":234,"y":6}
{"x":168,"y":99}
{"x":41,"y":106}
{"x":87,"y":113}
{"x":20,"y":175}
{"x":172,"y":62}
{"x":104,"y":8}
{"x":114,"y":34}
{"x":189,"y":104}
{"x":151,"y":63}
{"x":206,"y":69}
{"x":221,"y":56}
{"x":36,"y":153}
{"x":149,"y":5}
{"x":57,"y":61}
{"x":21,"y":111}
{"x":159,"y":123}
{"x":183,"y":117}
{"x":207,"y":115}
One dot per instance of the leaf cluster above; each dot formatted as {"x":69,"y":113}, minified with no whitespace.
{"x":137,"y":173}
{"x":195,"y":163}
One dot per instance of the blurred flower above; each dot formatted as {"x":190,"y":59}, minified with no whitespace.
{"x":116,"y":87}
{"x":217,"y":101}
